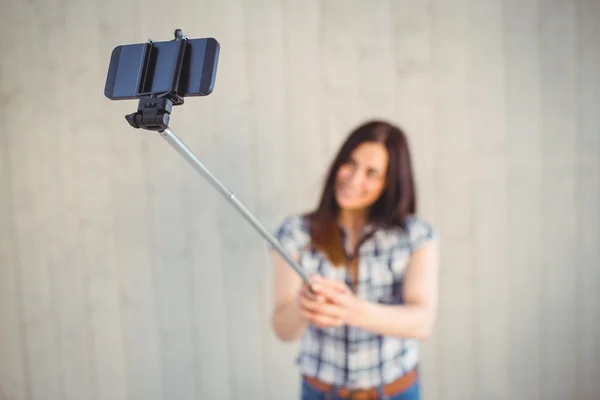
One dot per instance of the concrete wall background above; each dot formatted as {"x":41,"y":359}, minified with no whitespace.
{"x":125,"y":275}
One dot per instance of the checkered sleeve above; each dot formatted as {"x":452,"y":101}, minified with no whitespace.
{"x":292,"y":234}
{"x":420,"y":232}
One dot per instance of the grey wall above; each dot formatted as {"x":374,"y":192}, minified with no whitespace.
{"x":125,"y":275}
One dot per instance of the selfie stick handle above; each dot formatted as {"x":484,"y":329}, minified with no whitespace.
{"x":186,"y":153}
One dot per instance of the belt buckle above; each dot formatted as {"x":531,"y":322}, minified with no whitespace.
{"x":356,"y":394}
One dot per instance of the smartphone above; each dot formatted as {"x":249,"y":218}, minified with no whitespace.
{"x":188,"y":67}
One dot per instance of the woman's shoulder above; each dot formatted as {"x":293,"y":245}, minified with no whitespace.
{"x":419,"y":230}
{"x":416,"y":223}
{"x":293,"y":231}
{"x":411,"y":233}
{"x":294,"y":223}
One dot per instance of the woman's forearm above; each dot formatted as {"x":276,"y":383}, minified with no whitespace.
{"x":405,"y":321}
{"x":416,"y":317}
{"x":287,"y":322}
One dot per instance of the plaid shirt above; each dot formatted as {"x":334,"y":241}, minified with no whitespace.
{"x":348,"y":356}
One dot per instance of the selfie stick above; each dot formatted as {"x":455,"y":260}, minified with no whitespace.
{"x":182,"y":149}
{"x":153,"y":114}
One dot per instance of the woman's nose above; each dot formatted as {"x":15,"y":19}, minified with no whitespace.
{"x":356,"y":177}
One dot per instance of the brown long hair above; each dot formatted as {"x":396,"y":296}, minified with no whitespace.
{"x":397,"y":201}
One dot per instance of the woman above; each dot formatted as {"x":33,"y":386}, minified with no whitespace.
{"x":373,"y":295}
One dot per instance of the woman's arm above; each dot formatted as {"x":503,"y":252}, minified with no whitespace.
{"x":286,"y":319}
{"x":416,"y":317}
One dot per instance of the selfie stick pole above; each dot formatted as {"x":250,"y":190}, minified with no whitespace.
{"x":186,"y":153}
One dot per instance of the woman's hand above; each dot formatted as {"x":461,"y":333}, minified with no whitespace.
{"x":330,"y":303}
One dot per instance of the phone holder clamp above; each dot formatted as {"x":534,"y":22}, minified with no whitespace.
{"x":153,"y":114}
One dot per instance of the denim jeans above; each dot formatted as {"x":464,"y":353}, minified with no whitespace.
{"x":310,"y":393}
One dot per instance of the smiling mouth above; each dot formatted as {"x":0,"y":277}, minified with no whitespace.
{"x":348,"y":192}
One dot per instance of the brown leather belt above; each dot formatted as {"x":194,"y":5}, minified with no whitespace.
{"x":392,"y":388}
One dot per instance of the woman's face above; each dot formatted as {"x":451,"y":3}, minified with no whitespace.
{"x":361,"y":180}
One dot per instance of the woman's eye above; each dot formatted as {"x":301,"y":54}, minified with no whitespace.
{"x":372,"y":173}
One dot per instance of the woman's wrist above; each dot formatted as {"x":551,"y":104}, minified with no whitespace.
{"x":358,"y":312}
{"x":288,"y":321}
